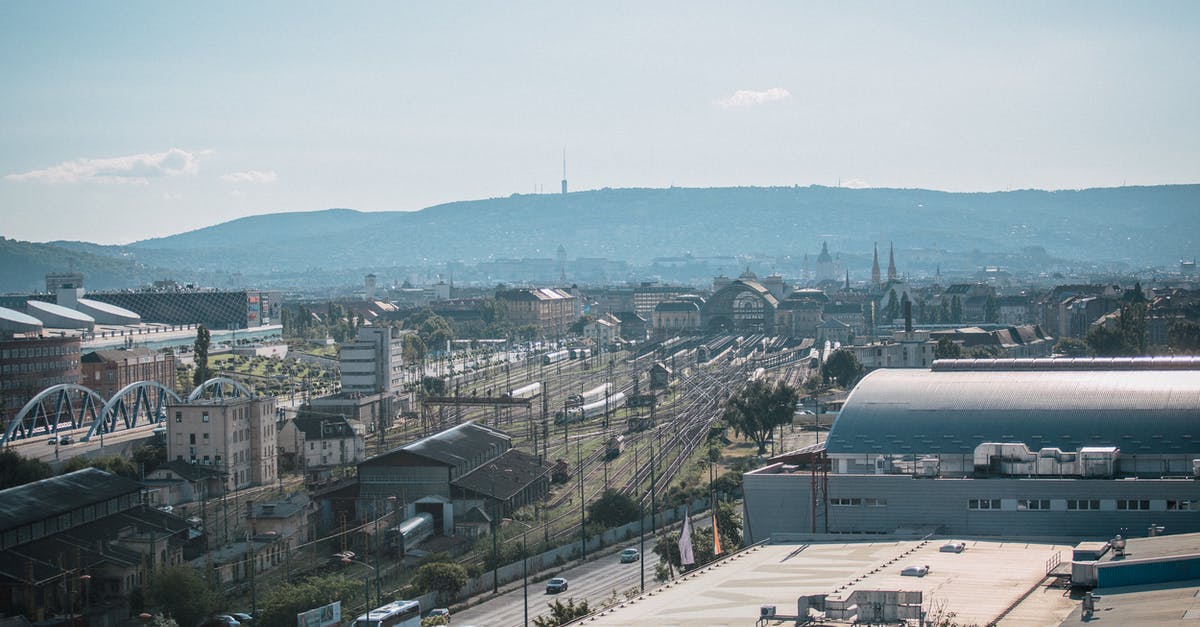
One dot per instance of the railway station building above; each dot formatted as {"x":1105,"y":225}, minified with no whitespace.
{"x":743,"y":304}
{"x":1036,"y":447}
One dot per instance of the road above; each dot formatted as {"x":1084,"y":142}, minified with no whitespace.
{"x":593,"y":581}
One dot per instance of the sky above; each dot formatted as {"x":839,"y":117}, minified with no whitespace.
{"x":121,"y":121}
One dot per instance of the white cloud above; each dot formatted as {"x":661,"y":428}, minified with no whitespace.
{"x":251,"y":176}
{"x":856,"y":184}
{"x":134,"y":169}
{"x":750,"y":98}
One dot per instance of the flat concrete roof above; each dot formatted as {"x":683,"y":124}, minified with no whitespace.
{"x":1174,"y":603}
{"x":978,"y":585}
{"x":1158,"y":546}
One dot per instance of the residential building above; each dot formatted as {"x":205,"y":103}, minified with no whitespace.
{"x":315,"y":440}
{"x":374,"y":362}
{"x":647,"y":295}
{"x":680,"y":315}
{"x":235,"y":435}
{"x":107,"y":371}
{"x":604,"y":331}
{"x":29,"y":365}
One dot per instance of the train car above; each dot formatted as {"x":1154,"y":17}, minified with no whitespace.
{"x":591,"y":410}
{"x":556,"y":356}
{"x":614,"y":446}
{"x":595,"y":394}
{"x":408,"y":534}
{"x":533,"y":390}
{"x":560,"y":472}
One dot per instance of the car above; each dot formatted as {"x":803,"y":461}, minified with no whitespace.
{"x":556,"y":585}
{"x":65,"y":439}
{"x":442,"y":612}
{"x":53,"y":440}
{"x":630,"y":555}
{"x":242,"y":617}
{"x":225,"y":619}
{"x":167,"y":509}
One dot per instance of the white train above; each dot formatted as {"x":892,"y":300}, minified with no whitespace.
{"x":533,"y":390}
{"x":595,"y":394}
{"x":591,"y":410}
{"x":556,"y":356}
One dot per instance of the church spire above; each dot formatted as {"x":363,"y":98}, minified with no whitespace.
{"x":875,"y":269}
{"x":891,"y":262}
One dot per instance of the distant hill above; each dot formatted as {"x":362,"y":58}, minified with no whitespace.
{"x":24,"y":265}
{"x":1141,"y":226}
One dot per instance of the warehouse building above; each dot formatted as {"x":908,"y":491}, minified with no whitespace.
{"x":1063,"y":447}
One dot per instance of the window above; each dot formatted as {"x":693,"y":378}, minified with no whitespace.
{"x":1033,"y":504}
{"x":1180,"y":506}
{"x":1073,"y":504}
{"x":983,"y":504}
{"x":204,"y":417}
{"x":191,"y":438}
{"x":178,"y":416}
{"x":1133,"y":504}
{"x":206,"y":438}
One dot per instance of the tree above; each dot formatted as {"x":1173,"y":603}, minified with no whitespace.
{"x":1126,"y":338}
{"x":1183,"y":337}
{"x":947,"y":349}
{"x":583,"y":321}
{"x":613,"y":509}
{"x":16,"y":470}
{"x":414,"y":348}
{"x":889,"y":312}
{"x":729,"y":525}
{"x":842,"y":368}
{"x":284,"y":601}
{"x":444,"y":578}
{"x":991,"y":311}
{"x":956,"y":310}
{"x":147,"y":457}
{"x":562,"y":613}
{"x":1105,"y":342}
{"x":667,"y":547}
{"x":115,"y":464}
{"x":434,"y":386}
{"x":1070,"y":347}
{"x":183,"y":594}
{"x":200,"y":354}
{"x":760,"y":407}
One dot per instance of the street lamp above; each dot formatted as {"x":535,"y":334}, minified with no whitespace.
{"x":87,"y":592}
{"x":367,"y":582}
{"x":524,"y":564}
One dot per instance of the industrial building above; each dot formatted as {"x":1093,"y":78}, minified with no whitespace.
{"x":1049,"y":447}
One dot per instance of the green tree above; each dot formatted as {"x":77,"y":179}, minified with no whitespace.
{"x":991,"y":311}
{"x":842,"y":368}
{"x":1183,"y":336}
{"x":414,"y":348}
{"x":889,"y":311}
{"x":147,"y":457}
{"x":444,"y":578}
{"x":434,"y":386}
{"x":583,"y":321}
{"x":183,"y":594}
{"x":667,"y":547}
{"x":112,"y":463}
{"x":200,"y":354}
{"x":760,"y":407}
{"x":434,"y":621}
{"x":1070,"y":347}
{"x":527,"y":332}
{"x":613,"y":509}
{"x":16,"y":470}
{"x":284,"y":601}
{"x":946,"y":349}
{"x":1126,"y":338}
{"x":562,"y":613}
{"x":956,"y":310}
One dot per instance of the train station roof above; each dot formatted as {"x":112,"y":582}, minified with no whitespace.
{"x":504,"y":477}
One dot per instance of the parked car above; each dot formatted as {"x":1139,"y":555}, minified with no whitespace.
{"x":242,"y":617}
{"x":225,"y":619}
{"x":556,"y":585}
{"x":630,"y":555}
{"x":441,"y":611}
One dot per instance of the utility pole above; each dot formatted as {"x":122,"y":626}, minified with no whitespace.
{"x":582,"y":526}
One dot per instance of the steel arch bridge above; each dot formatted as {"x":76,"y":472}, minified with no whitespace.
{"x":69,"y":406}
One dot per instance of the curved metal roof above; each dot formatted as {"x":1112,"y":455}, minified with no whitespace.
{"x":57,"y":316}
{"x":13,"y":320}
{"x":106,"y":313}
{"x":1148,"y":411}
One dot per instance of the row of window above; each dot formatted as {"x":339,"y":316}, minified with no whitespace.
{"x":852,"y":502}
{"x":1170,"y":505}
{"x":37,"y":366}
{"x":40,"y":351}
{"x":62,"y":522}
{"x":41,"y":384}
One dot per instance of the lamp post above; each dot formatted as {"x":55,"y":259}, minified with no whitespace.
{"x":87,"y":592}
{"x":524,"y":564}
{"x":367,"y":582}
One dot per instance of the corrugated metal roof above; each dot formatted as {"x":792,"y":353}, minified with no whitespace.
{"x":50,"y":497}
{"x":457,"y":446}
{"x":951,"y":411}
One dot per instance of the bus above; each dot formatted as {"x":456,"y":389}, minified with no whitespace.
{"x":394,"y":614}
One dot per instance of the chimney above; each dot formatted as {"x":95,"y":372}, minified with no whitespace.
{"x":908,"y":316}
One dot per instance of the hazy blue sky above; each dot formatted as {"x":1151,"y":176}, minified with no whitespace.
{"x":125,"y":120}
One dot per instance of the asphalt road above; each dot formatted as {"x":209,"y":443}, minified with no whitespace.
{"x":593,"y":581}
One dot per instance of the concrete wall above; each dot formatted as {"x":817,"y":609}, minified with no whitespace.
{"x":781,"y":503}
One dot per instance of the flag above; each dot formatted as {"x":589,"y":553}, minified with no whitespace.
{"x":685,"y":541}
{"x":716,"y":535}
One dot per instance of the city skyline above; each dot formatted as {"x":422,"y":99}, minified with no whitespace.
{"x":148,"y":120}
